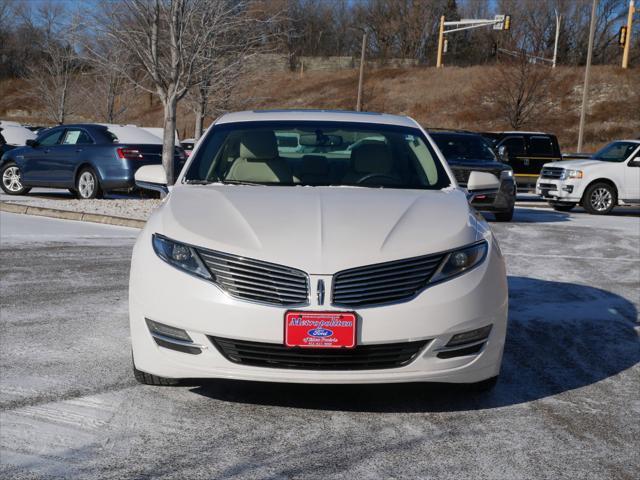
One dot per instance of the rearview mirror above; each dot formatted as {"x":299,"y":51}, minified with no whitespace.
{"x":482,"y":183}
{"x":320,"y":140}
{"x":152,"y":177}
{"x":31,"y":143}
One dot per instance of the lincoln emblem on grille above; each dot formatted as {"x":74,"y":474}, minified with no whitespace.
{"x":320,"y":292}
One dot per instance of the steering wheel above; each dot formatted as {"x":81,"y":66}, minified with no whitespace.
{"x":377,"y":175}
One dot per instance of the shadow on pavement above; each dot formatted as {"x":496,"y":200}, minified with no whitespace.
{"x":561,"y":336}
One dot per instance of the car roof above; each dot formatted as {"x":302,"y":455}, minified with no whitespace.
{"x":436,"y":132}
{"x":520,"y":132}
{"x":318,"y":116}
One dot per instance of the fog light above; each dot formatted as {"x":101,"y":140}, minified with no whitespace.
{"x":167,"y":331}
{"x":568,"y":188}
{"x":470,"y":336}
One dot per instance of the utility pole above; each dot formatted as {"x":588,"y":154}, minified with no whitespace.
{"x":361,"y":78}
{"x":440,"y":42}
{"x":555,"y":45}
{"x":627,"y":43}
{"x":585,"y":88}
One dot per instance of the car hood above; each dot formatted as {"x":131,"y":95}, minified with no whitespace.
{"x":575,"y":164}
{"x":320,"y":230}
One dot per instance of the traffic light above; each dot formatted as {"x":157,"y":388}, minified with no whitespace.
{"x":622,"y":36}
{"x":507,"y":22}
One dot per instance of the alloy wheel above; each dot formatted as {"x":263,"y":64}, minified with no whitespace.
{"x":11,"y":179}
{"x":601,"y":199}
{"x":86,"y":184}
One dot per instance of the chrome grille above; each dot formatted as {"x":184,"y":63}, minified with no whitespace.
{"x":551,"y":172}
{"x":384,"y":282}
{"x":256,"y":280}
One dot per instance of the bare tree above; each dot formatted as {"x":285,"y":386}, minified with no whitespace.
{"x":520,"y":91}
{"x":104,"y":88}
{"x":51,"y":77}
{"x":170,"y":41}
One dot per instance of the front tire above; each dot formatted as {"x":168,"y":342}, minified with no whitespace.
{"x":10,"y":180}
{"x":562,"y":207}
{"x":599,"y":199}
{"x":504,"y":216}
{"x":88,"y":185}
{"x":149,"y":379}
{"x":483,"y":386}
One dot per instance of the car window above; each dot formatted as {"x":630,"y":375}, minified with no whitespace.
{"x":615,"y":151}
{"x":51,"y":138}
{"x":540,"y":146}
{"x":327,"y":154}
{"x":515,"y":146}
{"x":464,"y":147}
{"x":76,"y":137}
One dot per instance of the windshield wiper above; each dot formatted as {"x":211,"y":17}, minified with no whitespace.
{"x":198,"y":182}
{"x":240,"y":182}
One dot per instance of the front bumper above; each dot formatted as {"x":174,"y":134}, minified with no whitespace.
{"x":164,"y":294}
{"x":554,"y":190}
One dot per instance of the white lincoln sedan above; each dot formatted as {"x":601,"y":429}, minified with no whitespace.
{"x":317,"y":247}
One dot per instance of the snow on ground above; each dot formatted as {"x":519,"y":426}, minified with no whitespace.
{"x":115,"y":205}
{"x":566,"y":405}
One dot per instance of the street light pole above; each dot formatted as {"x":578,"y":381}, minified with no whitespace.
{"x":440,"y":42}
{"x":585,"y":88}
{"x":361,"y":77}
{"x":627,"y":43}
{"x":555,"y":45}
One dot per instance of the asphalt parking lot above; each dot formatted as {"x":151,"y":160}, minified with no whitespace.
{"x":566,"y":406}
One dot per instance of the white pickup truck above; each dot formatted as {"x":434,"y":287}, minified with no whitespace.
{"x":609,"y":178}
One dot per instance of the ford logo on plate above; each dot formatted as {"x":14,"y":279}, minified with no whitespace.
{"x":320,"y":332}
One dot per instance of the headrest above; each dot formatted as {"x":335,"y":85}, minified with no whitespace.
{"x":372,"y":158}
{"x":258,"y":145}
{"x":314,"y":165}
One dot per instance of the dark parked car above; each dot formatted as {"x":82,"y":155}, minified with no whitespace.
{"x":465,"y":152}
{"x":87,"y":159}
{"x":526,"y":152}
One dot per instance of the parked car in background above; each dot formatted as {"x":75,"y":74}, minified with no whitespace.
{"x":466,"y":152}
{"x":526,"y":152}
{"x":329,"y":266}
{"x":15,"y":134}
{"x":610,"y":177}
{"x":87,"y":159}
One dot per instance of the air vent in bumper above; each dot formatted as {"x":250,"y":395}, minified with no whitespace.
{"x":361,"y":357}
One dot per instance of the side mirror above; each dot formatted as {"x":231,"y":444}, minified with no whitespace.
{"x":634,"y":162}
{"x":482,"y":183}
{"x":152,"y":177}
{"x":31,"y":143}
{"x":503,"y":154}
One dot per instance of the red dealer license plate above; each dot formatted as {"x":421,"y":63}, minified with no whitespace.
{"x":320,"y":329}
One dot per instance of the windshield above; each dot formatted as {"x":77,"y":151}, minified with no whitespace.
{"x":464,"y":147}
{"x":615,"y":152}
{"x":317,"y":154}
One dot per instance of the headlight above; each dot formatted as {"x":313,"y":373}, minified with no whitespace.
{"x":504,"y":174}
{"x":566,"y":174}
{"x":180,"y":256}
{"x":459,"y":261}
